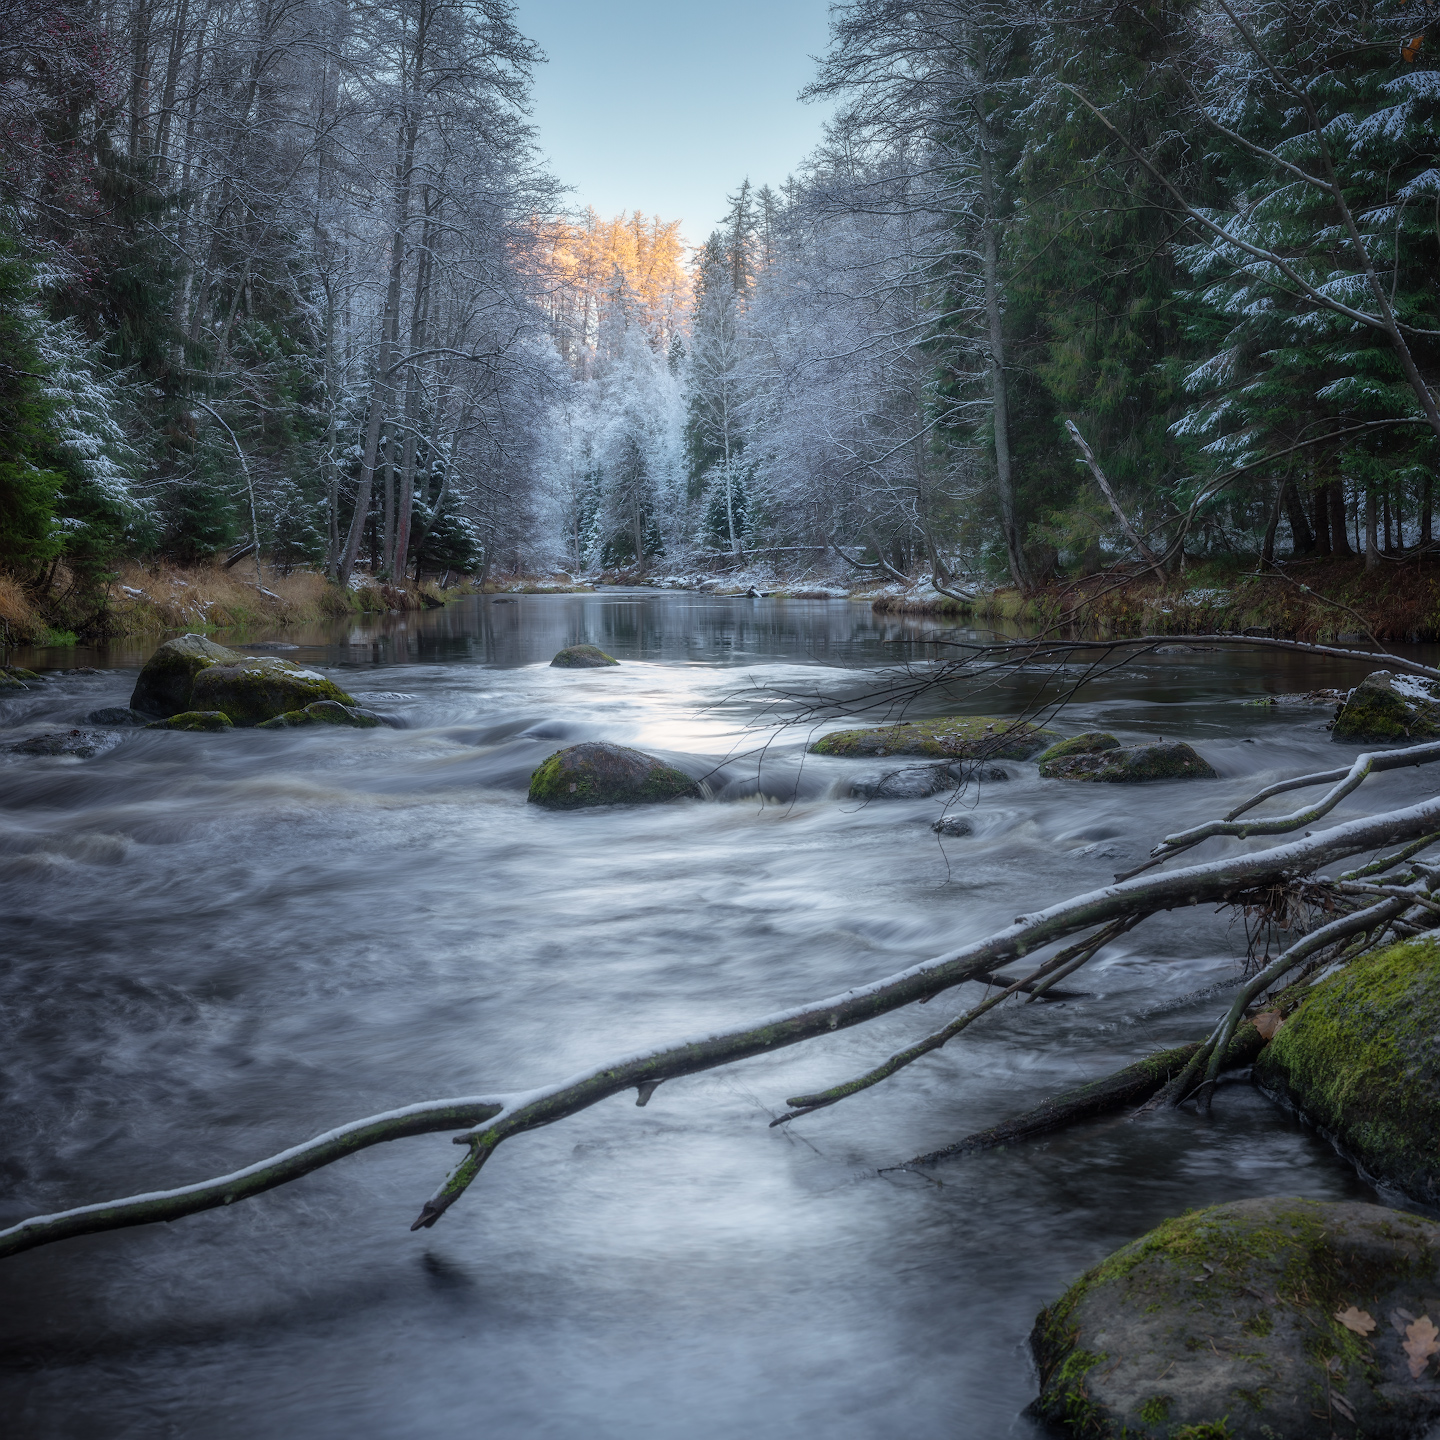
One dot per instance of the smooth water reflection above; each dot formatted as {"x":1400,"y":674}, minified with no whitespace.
{"x":217,"y":945}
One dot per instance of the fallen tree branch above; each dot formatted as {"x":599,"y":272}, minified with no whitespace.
{"x":1130,"y":1086}
{"x":1364,"y":765}
{"x":494,"y":1118}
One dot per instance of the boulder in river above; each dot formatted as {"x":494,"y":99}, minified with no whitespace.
{"x":1359,"y":1059}
{"x":1385,"y":707}
{"x":1092,"y":742}
{"x":194,"y":720}
{"x":912,"y":782}
{"x":582,"y":657}
{"x":17,"y":677}
{"x":261,"y":687}
{"x":116,"y":717}
{"x":954,"y":737}
{"x":598,"y":773}
{"x":324,"y":712}
{"x":83,"y":744}
{"x":954,"y":826}
{"x":166,"y":682}
{"x":1256,"y":1320}
{"x":1131,"y":764}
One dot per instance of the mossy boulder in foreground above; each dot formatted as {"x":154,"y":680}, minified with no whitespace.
{"x":597,"y":773}
{"x":323,"y":712}
{"x":1092,"y":742}
{"x":194,"y":720}
{"x":1361,"y":1060}
{"x":1222,"y":1325}
{"x":955,"y":737}
{"x":1389,"y":707}
{"x":166,"y":682}
{"x":261,"y":687}
{"x":1130,"y":764}
{"x":582,"y":657}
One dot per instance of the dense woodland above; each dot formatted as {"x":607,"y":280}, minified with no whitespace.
{"x":294,"y":271}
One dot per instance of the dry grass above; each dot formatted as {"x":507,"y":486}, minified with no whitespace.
{"x":20,"y":622}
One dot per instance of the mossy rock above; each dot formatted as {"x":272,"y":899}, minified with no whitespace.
{"x":1092,"y":742}
{"x":262,"y":687}
{"x":597,"y":773}
{"x":194,"y":720}
{"x":1222,"y":1323}
{"x":1360,"y":1059}
{"x":167,"y":681}
{"x":582,"y":657}
{"x":19,"y":675}
{"x":1131,"y":764}
{"x":954,"y":737}
{"x":10,"y":682}
{"x":1389,"y":707}
{"x":81,"y":744}
{"x":323,"y":712}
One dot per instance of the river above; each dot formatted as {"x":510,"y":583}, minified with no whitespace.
{"x":215,"y":946}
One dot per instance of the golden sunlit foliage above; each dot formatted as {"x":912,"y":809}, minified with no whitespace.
{"x":595,"y":263}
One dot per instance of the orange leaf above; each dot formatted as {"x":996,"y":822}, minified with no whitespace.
{"x":1268,"y":1022}
{"x":1422,"y":1340}
{"x":1357,"y":1320}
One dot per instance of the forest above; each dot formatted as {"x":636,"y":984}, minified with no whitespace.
{"x":1064,"y":287}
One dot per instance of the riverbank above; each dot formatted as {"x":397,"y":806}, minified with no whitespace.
{"x":153,"y":600}
{"x":1323,"y":600}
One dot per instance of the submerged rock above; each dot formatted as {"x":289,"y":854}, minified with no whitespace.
{"x":194,"y":720}
{"x":597,"y":773}
{"x":1227,"y":1323}
{"x":116,"y":717}
{"x":1389,"y":707}
{"x":166,"y":682}
{"x":1359,"y":1059}
{"x":582,"y":657}
{"x":955,"y":737}
{"x":261,"y":687}
{"x":324,"y":712}
{"x":914,"y":782}
{"x":1131,"y":764}
{"x":81,"y":743}
{"x":954,"y":826}
{"x":1092,"y":742}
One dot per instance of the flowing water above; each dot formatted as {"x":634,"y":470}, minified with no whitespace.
{"x":215,"y":946}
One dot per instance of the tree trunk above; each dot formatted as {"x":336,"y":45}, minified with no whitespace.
{"x":1427,"y":498}
{"x":1339,"y":526}
{"x":1300,"y":536}
{"x":1372,"y":547}
{"x":1000,"y":412}
{"x":1320,"y":507}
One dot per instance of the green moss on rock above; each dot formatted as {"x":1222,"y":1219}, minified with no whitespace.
{"x":322,"y":712}
{"x":194,"y":720}
{"x":582,"y":657}
{"x":1177,"y":1308}
{"x":953,"y":737}
{"x":166,"y":683}
{"x":1361,"y":1060}
{"x":260,"y":688}
{"x":1092,"y":742}
{"x":1385,"y":707}
{"x":597,"y":773}
{"x":1130,"y":764}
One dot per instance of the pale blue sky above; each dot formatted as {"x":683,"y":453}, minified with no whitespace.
{"x":666,"y":107}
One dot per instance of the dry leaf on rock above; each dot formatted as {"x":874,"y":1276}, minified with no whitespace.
{"x":1421,"y":1341}
{"x":1268,"y":1022}
{"x":1357,"y":1320}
